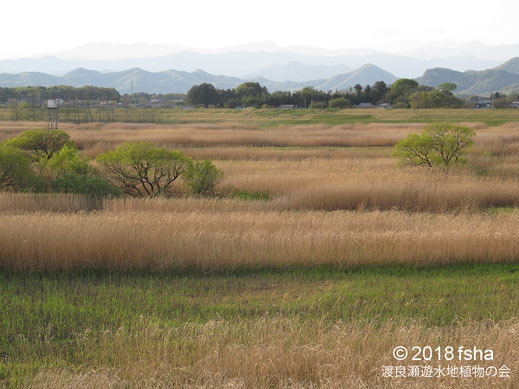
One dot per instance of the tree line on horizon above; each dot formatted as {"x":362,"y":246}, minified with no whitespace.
{"x":403,"y":93}
{"x":25,"y":102}
{"x":38,"y":94}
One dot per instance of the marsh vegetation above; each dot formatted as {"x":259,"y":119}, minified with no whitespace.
{"x":312,"y":285}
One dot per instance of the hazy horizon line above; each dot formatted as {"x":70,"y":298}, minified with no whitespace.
{"x":253,"y":46}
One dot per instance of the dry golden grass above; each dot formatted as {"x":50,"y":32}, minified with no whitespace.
{"x":208,"y":234}
{"x":502,"y":140}
{"x":285,"y":154}
{"x":52,"y":202}
{"x":96,"y":137}
{"x":311,"y":177}
{"x":203,"y":135}
{"x":213,"y":235}
{"x":107,"y":135}
{"x":273,"y":352}
{"x":300,"y":180}
{"x":429,"y":195}
{"x":373,"y":181}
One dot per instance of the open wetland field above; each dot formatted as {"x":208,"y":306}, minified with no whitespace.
{"x":333,"y":257}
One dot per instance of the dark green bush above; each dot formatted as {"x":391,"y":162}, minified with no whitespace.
{"x":201,"y":178}
{"x":15,"y":167}
{"x":339,"y":102}
{"x":85,"y":184}
{"x":34,"y":184}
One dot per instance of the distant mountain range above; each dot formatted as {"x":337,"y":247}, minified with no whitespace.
{"x":169,"y":81}
{"x":277,"y":66}
{"x":503,"y":78}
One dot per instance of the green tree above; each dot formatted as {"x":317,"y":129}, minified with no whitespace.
{"x":339,"y":102}
{"x":404,"y":87}
{"x":250,"y":89}
{"x":15,"y":167}
{"x":142,"y":169}
{"x":439,"y":144}
{"x":358,"y":90}
{"x":447,"y":87}
{"x":41,"y":144}
{"x":67,"y":161}
{"x":450,"y":142}
{"x":415,"y":150}
{"x":502,"y":102}
{"x":379,"y":91}
{"x":308,"y":95}
{"x":202,"y":177}
{"x":250,"y":94}
{"x":400,"y":92}
{"x":434,"y":99}
{"x":18,"y":109}
{"x":203,"y":94}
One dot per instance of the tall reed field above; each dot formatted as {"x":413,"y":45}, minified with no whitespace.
{"x":345,"y":256}
{"x":212,"y":240}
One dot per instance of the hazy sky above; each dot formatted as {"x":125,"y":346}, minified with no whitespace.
{"x":33,"y":27}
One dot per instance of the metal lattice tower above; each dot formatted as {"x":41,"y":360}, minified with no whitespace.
{"x":52,"y":114}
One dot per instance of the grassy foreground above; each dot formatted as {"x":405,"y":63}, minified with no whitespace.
{"x":93,"y":329}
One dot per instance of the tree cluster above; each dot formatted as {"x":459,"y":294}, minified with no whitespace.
{"x":500,"y":100}
{"x":48,"y":161}
{"x":38,"y":94}
{"x":140,"y":169}
{"x":252,"y":94}
{"x":404,"y":93}
{"x":407,"y":93}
